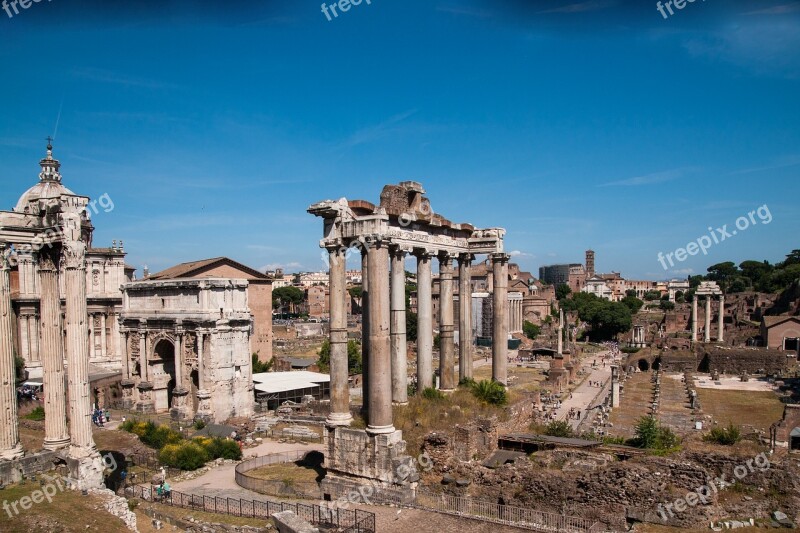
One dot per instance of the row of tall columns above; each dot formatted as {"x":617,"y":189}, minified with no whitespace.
{"x":721,"y":318}
{"x":10,"y":447}
{"x":384,"y":343}
{"x":55,"y":398}
{"x":464,"y":316}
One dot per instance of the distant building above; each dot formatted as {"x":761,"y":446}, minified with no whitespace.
{"x":599,"y":287}
{"x":556,"y":274}
{"x":781,"y":332}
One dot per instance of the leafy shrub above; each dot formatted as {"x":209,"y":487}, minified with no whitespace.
{"x":531,"y":330}
{"x":432,"y":394}
{"x":199,"y":424}
{"x":559,"y":428}
{"x":220,"y":448}
{"x":37,"y":414}
{"x":187,"y":455}
{"x":490,"y":392}
{"x":725,"y":436}
{"x":467,"y":382}
{"x":651,"y":435}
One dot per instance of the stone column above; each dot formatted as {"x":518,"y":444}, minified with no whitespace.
{"x":398,"y":325}
{"x":707,"y":333}
{"x":380,"y":369}
{"x":10,"y":447}
{"x":614,"y":386}
{"x":447,"y":368}
{"x":561,"y":332}
{"x":500,"y":319}
{"x":694,"y":318}
{"x":87,"y":468}
{"x":179,"y":360}
{"x":340,"y":389}
{"x":103,"y":336}
{"x":90,"y":325}
{"x":464,"y":317}
{"x":721,"y":337}
{"x":55,"y":397}
{"x":126,"y":365}
{"x":424,"y":322}
{"x":143,"y":352}
{"x":201,"y":373}
{"x":365,"y":358}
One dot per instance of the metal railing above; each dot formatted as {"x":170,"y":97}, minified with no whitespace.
{"x":301,"y":489}
{"x":355,"y":521}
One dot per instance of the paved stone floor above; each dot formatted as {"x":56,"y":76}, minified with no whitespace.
{"x":674,"y":411}
{"x":585,"y":394}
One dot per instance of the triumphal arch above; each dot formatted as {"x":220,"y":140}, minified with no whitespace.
{"x":402,"y":223}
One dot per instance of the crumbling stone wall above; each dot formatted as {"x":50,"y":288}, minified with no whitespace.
{"x":739,"y":360}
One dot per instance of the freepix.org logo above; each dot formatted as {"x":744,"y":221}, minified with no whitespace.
{"x":12,"y":7}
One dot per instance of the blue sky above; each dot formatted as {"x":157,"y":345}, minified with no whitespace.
{"x":574,"y":125}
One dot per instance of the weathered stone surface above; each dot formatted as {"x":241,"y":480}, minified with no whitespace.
{"x":288,"y":522}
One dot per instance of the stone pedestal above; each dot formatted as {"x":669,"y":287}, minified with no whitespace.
{"x":558,"y":375}
{"x":355,"y":458}
{"x":614,"y":386}
{"x":145,"y":403}
{"x":205,"y":411}
{"x":85,"y":468}
{"x":180,"y":405}
{"x":128,"y":394}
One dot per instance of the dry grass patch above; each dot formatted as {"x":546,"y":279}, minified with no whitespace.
{"x":69,"y":512}
{"x":757,"y":409}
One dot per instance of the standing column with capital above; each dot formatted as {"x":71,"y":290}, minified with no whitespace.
{"x":447,"y":369}
{"x":88,"y":473}
{"x":707,"y":332}
{"x":721,"y":337}
{"x":464,"y":317}
{"x":500,"y":319}
{"x":340,"y":389}
{"x":55,"y":397}
{"x":561,"y":332}
{"x":424,"y":322}
{"x":398,"y":327}
{"x":365,"y":359}
{"x":10,"y":447}
{"x":694,"y":318}
{"x":380,"y":364}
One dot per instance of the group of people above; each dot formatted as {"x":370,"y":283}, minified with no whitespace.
{"x":574,"y":414}
{"x":26,"y":393}
{"x":100,"y":417}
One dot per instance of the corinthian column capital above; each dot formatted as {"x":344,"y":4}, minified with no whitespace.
{"x":73,"y":254}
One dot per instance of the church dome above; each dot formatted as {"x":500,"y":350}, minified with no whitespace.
{"x":48,"y":188}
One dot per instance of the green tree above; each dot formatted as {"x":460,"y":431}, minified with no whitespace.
{"x":353,"y":356}
{"x":562,"y":291}
{"x":559,"y":428}
{"x":666,"y":305}
{"x":530,"y":329}
{"x":632,"y":302}
{"x":652,"y":295}
{"x":411,"y":326}
{"x":287,"y":296}
{"x":722,"y":273}
{"x":259,"y":367}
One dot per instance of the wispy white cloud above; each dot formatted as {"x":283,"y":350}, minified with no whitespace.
{"x":373,"y":133}
{"x":646,"y":179}
{"x":518,"y":253}
{"x":284,"y":266}
{"x":682,"y":271}
{"x":107,"y":76}
{"x":784,"y":162}
{"x":783,"y":9}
